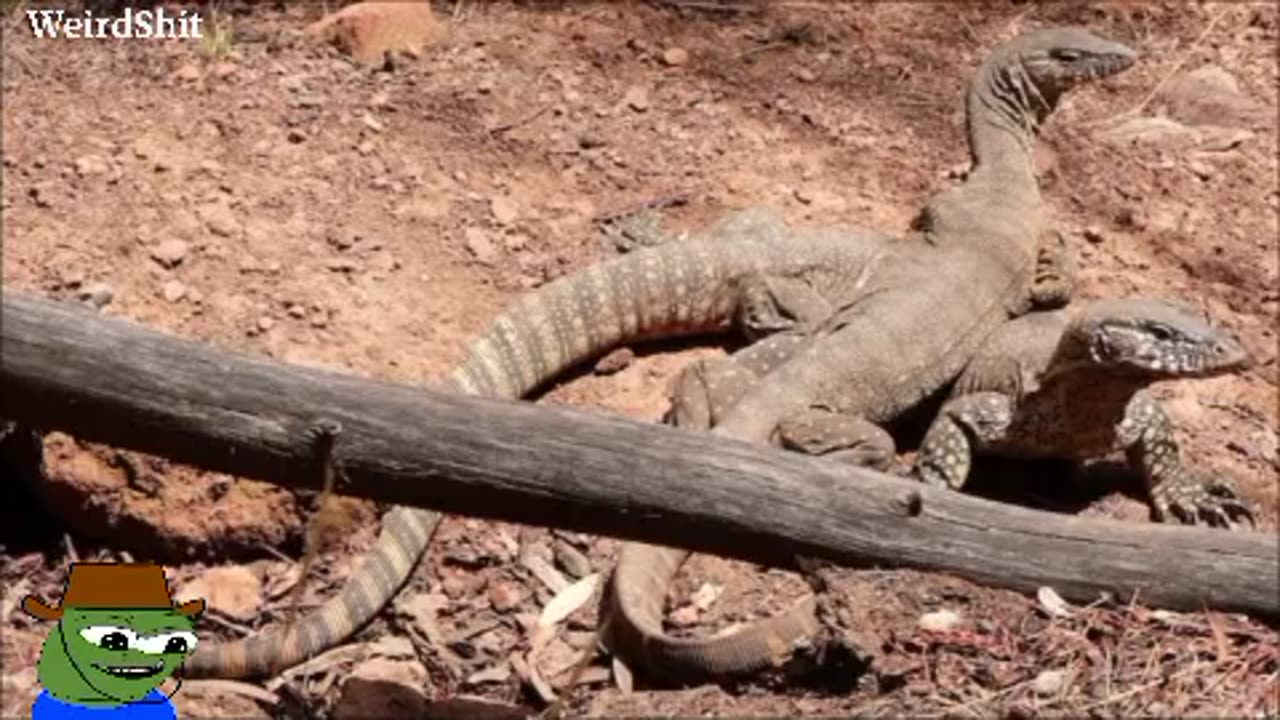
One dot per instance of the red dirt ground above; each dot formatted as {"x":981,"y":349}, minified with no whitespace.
{"x":268,"y":197}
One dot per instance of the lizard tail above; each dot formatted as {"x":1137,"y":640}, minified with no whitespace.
{"x":634,"y":624}
{"x":662,"y":291}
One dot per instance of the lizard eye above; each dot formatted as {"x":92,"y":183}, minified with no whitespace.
{"x":1065,"y":54}
{"x":1161,"y":333}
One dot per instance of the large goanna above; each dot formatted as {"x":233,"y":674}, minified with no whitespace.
{"x":931,"y":301}
{"x":741,"y":273}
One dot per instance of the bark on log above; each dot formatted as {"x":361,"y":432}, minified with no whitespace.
{"x":111,"y":381}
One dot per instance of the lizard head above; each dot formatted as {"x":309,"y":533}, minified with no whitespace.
{"x":1058,"y":59}
{"x":1157,"y":338}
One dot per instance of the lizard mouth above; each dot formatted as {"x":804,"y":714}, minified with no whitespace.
{"x":131,"y":672}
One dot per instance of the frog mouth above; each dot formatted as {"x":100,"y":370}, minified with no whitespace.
{"x":131,"y":672}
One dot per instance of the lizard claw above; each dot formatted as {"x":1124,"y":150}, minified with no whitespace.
{"x":1192,"y":500}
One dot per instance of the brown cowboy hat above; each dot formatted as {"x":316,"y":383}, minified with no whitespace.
{"x":126,"y":586}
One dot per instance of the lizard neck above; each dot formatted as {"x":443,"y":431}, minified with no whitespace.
{"x":1004,"y":111}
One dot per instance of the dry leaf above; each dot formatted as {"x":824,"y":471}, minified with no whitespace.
{"x":566,"y":601}
{"x":1052,"y":602}
{"x":622,"y":676}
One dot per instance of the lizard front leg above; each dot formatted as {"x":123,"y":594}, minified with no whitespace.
{"x":965,"y":425}
{"x":1175,"y":492}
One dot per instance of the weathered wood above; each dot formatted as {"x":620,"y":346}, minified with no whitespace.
{"x":115,"y":382}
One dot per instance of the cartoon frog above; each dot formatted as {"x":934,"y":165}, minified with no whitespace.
{"x":118,"y":636}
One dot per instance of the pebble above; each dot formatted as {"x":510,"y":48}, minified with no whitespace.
{"x":1048,"y":682}
{"x":173,"y":291}
{"x":939,"y":620}
{"x":1093,"y":234}
{"x":504,"y":210}
{"x":220,"y":220}
{"x":90,"y":165}
{"x":637,"y":98}
{"x":170,"y":253}
{"x":480,"y":246}
{"x":615,"y":361}
{"x":265,"y":323}
{"x":675,"y":56}
{"x":98,"y":294}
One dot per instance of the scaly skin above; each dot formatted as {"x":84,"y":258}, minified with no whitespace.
{"x":1072,"y":384}
{"x":740,"y":274}
{"x":919,"y":318}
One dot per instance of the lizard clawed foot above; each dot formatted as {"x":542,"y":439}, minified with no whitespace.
{"x":1192,"y":500}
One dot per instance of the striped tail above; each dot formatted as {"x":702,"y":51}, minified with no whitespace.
{"x":658,"y":292}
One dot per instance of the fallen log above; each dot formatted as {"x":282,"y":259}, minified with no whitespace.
{"x":66,"y":368}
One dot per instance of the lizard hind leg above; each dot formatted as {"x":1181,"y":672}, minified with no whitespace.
{"x":707,"y":389}
{"x":1175,"y":492}
{"x":965,"y":425}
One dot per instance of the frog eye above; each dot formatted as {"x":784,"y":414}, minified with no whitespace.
{"x":179,"y":641}
{"x":109,"y":637}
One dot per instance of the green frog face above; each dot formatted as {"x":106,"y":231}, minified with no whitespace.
{"x":109,"y":656}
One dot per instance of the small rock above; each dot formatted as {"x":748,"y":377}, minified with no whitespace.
{"x":939,"y":620}
{"x":1093,"y":234}
{"x":265,"y":323}
{"x":232,"y":590}
{"x":187,"y":73}
{"x":804,"y":74}
{"x":296,"y":135}
{"x":1049,"y":682}
{"x":803,"y":195}
{"x":173,"y":291}
{"x":637,"y":98}
{"x":504,"y":210}
{"x":675,"y":56}
{"x":219,"y":219}
{"x":684,"y":616}
{"x":98,"y":294}
{"x":480,"y":246}
{"x":616,"y":361}
{"x":90,"y":165}
{"x":504,"y":596}
{"x":170,"y":253}
{"x":224,"y":70}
